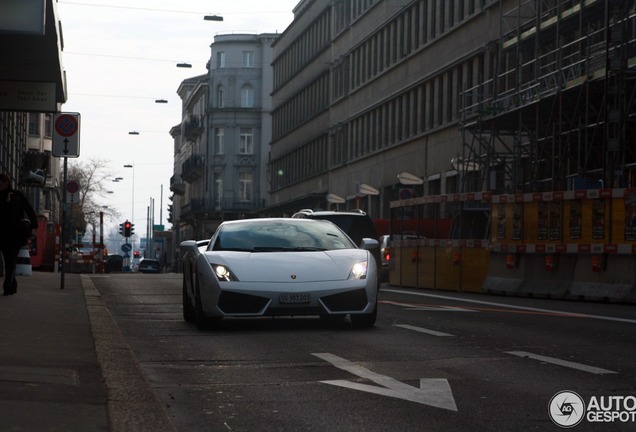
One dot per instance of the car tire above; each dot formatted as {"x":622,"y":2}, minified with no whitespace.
{"x":365,"y":320}
{"x":188,"y":310}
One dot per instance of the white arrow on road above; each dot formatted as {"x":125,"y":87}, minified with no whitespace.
{"x":433,"y":391}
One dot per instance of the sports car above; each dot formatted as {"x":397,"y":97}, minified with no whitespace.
{"x":279,"y":266}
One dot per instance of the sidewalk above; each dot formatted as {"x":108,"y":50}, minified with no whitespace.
{"x":64,"y":365}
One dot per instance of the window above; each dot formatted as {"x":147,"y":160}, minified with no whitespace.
{"x":220,"y":60}
{"x":218,"y":189}
{"x":219,"y":144}
{"x":246,"y":141}
{"x":220,"y":97}
{"x":48,"y":125}
{"x":245,"y":187}
{"x":247,"y":97}
{"x":248,"y":59}
{"x":34,"y":124}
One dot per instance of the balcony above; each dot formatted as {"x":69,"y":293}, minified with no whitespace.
{"x":177,"y":186}
{"x":193,"y":168}
{"x":192,"y":128}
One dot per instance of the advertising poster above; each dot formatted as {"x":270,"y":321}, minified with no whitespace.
{"x":556,"y":223}
{"x":517,"y":221}
{"x":576,"y":219}
{"x":501,"y":221}
{"x":542,"y":221}
{"x":630,"y":215}
{"x":598,"y":219}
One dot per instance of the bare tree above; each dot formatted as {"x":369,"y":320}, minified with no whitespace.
{"x":91,"y":175}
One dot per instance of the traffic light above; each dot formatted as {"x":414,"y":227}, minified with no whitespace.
{"x":127,"y":229}
{"x":121,"y":228}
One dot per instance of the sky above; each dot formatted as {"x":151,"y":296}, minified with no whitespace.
{"x":119,"y":57}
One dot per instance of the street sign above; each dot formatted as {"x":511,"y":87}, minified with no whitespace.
{"x":126,"y":247}
{"x":72,"y":189}
{"x":66,"y":128}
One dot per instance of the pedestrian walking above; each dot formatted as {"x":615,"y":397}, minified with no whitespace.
{"x":17,"y":222}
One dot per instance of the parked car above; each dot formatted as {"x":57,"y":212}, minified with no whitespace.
{"x":148,"y":265}
{"x":356,"y":224}
{"x":279,"y":266}
{"x":113,"y":263}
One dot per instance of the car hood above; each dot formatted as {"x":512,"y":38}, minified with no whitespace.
{"x":290,"y":267}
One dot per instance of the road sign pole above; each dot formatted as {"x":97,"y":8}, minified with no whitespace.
{"x":64,"y":228}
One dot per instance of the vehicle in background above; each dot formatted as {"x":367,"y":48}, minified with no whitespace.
{"x":113,"y":263}
{"x":385,"y":249}
{"x":149,"y":265}
{"x":356,"y":224}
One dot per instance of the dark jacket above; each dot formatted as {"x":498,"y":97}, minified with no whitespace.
{"x":15,"y":207}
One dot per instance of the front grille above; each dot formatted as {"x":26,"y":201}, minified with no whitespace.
{"x":237,"y":303}
{"x":347,"y":301}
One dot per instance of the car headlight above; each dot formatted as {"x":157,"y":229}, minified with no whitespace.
{"x":359,"y":270}
{"x":223,"y":273}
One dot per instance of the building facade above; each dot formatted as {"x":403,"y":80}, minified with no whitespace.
{"x":458,"y":95}
{"x":46,"y":196}
{"x":222,"y":143}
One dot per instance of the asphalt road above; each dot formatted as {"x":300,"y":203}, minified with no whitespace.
{"x":435,"y":361}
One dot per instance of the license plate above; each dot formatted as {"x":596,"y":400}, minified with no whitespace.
{"x":295,"y":298}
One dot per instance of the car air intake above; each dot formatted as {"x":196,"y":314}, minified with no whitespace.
{"x":348,"y":301}
{"x":238,"y":303}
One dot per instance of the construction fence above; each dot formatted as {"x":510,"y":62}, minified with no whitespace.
{"x":574,"y":244}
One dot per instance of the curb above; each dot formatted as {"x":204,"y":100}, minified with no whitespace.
{"x":132,"y":403}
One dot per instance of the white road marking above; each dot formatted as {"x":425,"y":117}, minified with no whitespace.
{"x":440,"y":308}
{"x":551,"y":311}
{"x":435,"y":392}
{"x":422,"y":330}
{"x":559,"y":362}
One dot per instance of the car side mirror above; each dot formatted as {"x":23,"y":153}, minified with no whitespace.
{"x":369,"y":243}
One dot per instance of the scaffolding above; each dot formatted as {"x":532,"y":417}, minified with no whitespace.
{"x":558,"y":111}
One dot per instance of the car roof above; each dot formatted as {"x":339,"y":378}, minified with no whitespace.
{"x":310,"y":212}
{"x":261,"y":220}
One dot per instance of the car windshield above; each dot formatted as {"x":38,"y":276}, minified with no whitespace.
{"x":281,"y":236}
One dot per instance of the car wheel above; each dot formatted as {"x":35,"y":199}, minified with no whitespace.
{"x":365,"y":320}
{"x":188,"y":310}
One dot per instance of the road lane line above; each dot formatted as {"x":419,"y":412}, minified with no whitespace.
{"x":559,"y":362}
{"x":426,"y":307}
{"x":548,"y":311}
{"x":422,"y":330}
